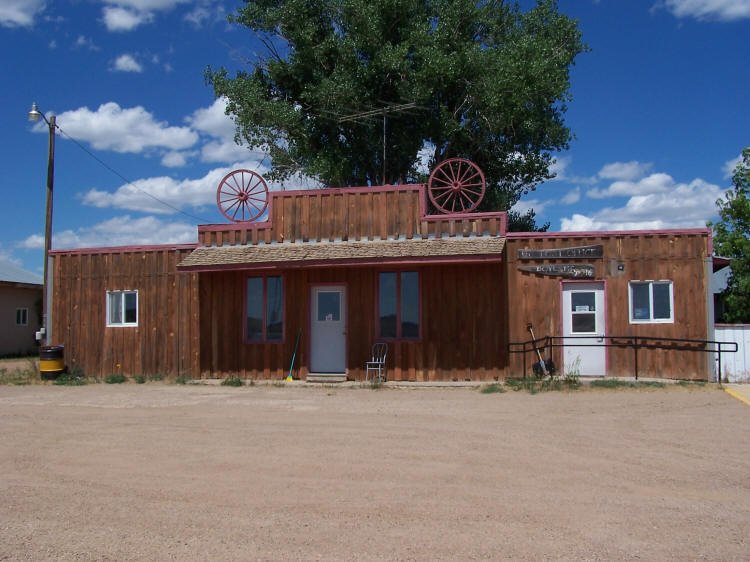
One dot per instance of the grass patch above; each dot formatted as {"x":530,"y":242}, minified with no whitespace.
{"x":617,"y":383}
{"x":73,"y":378}
{"x":139,"y":379}
{"x":115,"y":378}
{"x":181,"y":379}
{"x":689,"y":384}
{"x":550,"y":384}
{"x":156,"y":377}
{"x":493,"y":388}
{"x":232,"y":381}
{"x":28,"y":374}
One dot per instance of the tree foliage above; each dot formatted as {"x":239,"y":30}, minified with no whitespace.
{"x":489,"y":81}
{"x":732,"y":240}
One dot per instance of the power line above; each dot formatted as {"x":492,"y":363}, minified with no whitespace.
{"x":130,"y":183}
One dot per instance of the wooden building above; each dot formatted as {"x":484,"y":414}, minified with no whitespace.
{"x":326,"y":273}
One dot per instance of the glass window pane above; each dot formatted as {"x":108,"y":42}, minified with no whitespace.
{"x":640,"y":301}
{"x":584,"y":323}
{"x":583,"y":302}
{"x":131,"y":308}
{"x":274,"y":309}
{"x":114,"y":308}
{"x":409,"y":304}
{"x":387,"y":305}
{"x":255,"y":309}
{"x":662,"y":302}
{"x":329,"y":306}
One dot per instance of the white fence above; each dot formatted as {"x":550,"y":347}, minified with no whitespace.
{"x":735,"y":367}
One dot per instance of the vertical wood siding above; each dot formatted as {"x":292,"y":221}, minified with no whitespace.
{"x":735,"y":367}
{"x":166,"y":339}
{"x":680,"y":258}
{"x":461,"y":307}
{"x":350,"y":214}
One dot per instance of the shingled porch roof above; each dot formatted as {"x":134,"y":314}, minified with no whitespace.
{"x":338,"y":253}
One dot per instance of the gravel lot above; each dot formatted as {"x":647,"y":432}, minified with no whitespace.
{"x":165,"y":472}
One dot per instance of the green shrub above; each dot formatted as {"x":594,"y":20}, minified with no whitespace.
{"x":232,"y":381}
{"x":493,"y":388}
{"x":139,"y":379}
{"x":181,"y":379}
{"x":73,"y":378}
{"x":616,"y":383}
{"x":115,"y":378}
{"x":156,"y":377}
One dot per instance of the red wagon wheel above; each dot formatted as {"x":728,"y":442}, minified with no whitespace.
{"x":456,"y":186}
{"x":242,"y":196}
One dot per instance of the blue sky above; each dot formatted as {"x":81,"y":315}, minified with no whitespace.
{"x":659,"y":112}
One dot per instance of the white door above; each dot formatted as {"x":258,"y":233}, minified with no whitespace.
{"x":583,"y":315}
{"x":328,"y":330}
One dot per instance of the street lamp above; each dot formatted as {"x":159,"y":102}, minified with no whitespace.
{"x":34,"y":116}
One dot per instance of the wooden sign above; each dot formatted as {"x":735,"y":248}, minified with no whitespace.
{"x":575,"y":270}
{"x":594,"y":251}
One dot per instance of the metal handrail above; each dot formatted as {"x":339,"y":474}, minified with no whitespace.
{"x":633,"y":342}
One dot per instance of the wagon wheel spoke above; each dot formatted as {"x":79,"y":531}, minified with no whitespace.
{"x":456,"y":185}
{"x":242,"y":196}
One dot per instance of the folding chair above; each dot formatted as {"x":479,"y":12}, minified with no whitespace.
{"x":376,"y":364}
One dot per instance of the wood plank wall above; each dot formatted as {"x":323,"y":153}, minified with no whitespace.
{"x":352,"y":214}
{"x":461,"y":307}
{"x":166,"y":340}
{"x":680,"y":258}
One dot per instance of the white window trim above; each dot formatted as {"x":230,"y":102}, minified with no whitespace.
{"x":25,"y":314}
{"x":651,"y":319}
{"x":122,"y":324}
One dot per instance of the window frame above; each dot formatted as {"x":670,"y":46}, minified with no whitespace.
{"x":264,"y":302}
{"x":108,"y":309}
{"x":651,"y":319}
{"x":24,"y":313}
{"x":399,"y":336}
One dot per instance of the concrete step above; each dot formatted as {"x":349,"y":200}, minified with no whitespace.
{"x":326,"y":377}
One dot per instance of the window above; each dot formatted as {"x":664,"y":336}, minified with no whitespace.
{"x":398,"y":304}
{"x":22,"y":317}
{"x":651,"y":302}
{"x":122,"y":308}
{"x":264,"y":314}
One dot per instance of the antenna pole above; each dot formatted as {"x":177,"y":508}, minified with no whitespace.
{"x":384,"y":118}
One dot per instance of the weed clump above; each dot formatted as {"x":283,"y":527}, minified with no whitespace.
{"x":232,"y":381}
{"x":617,"y":383}
{"x":115,"y":378}
{"x":139,"y":379}
{"x":73,"y":378}
{"x":493,"y":388}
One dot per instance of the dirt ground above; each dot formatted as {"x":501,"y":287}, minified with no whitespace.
{"x":169,"y":472}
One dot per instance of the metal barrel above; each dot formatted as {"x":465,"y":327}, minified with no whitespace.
{"x":51,"y":359}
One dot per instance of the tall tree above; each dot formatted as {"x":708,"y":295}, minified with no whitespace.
{"x":732,"y":240}
{"x":489,"y":82}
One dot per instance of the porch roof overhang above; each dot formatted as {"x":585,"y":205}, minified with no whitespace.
{"x":345,"y":253}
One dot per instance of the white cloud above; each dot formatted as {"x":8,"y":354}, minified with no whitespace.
{"x":525,"y":205}
{"x":207,"y":11}
{"x":730,"y":165}
{"x":559,"y":166}
{"x":655,"y":183}
{"x":120,"y":231}
{"x":180,"y":193}
{"x":126,"y":15}
{"x":624,"y":170}
{"x":720,"y":10}
{"x":85,"y":42}
{"x":121,"y":19}
{"x":213,"y":122}
{"x":126,"y":63}
{"x":20,"y":13}
{"x":176,"y":159}
{"x":683,"y":205}
{"x":129,"y":130}
{"x":571,"y":197}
